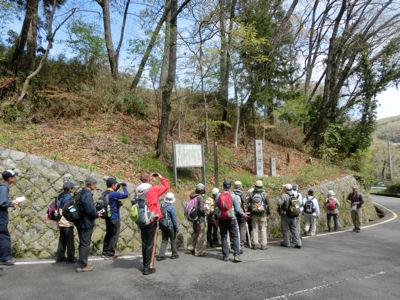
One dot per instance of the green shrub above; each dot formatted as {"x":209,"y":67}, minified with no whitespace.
{"x":394,"y":187}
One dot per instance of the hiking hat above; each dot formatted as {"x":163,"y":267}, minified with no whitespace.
{"x":215,"y":191}
{"x":331,"y":193}
{"x":200,"y":188}
{"x":68,"y":185}
{"x":295,"y":186}
{"x":259,"y":184}
{"x":288,"y":186}
{"x":237,"y":185}
{"x":8,"y":174}
{"x":89,"y":181}
{"x":169,"y":198}
{"x":227,"y":184}
{"x":110,"y":181}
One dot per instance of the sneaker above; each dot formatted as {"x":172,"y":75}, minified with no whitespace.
{"x":297,"y":246}
{"x":358,"y":230}
{"x":225,"y":259}
{"x":283,"y":245}
{"x":149,"y":271}
{"x":160,"y":258}
{"x":88,"y":268}
{"x":237,"y":259}
{"x":255,"y":247}
{"x":174,"y":256}
{"x":9,"y":262}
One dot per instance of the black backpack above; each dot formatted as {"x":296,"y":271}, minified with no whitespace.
{"x":293,"y":210}
{"x":73,"y":208}
{"x":164,"y":221}
{"x":309,"y":207}
{"x":103,"y":205}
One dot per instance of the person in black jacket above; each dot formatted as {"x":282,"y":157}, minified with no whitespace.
{"x":355,"y":200}
{"x":86,"y":224}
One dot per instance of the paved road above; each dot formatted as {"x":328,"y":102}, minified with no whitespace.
{"x":346,"y":265}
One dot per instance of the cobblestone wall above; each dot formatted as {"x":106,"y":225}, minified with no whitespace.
{"x":41,"y":179}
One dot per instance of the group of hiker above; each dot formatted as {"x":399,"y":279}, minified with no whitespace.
{"x":241,"y":218}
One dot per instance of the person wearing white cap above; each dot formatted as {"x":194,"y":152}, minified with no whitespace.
{"x":238,"y":191}
{"x":289,"y":210}
{"x":299,"y":196}
{"x":212,"y":229}
{"x":311,"y":213}
{"x":5,"y":242}
{"x":332,"y":208}
{"x":259,"y":211}
{"x":198,"y":235}
{"x":169,"y":227}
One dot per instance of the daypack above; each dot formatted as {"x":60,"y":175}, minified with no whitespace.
{"x":293,"y":209}
{"x":144,"y":215}
{"x":73,"y":208}
{"x":331,"y":205}
{"x":134,"y":213}
{"x":53,"y":210}
{"x":309,"y":206}
{"x":103,"y":205}
{"x":191,"y":211}
{"x":164,"y":221}
{"x":257,"y":203}
{"x":224,"y":211}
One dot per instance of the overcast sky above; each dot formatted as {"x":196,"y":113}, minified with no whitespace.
{"x":389,"y":103}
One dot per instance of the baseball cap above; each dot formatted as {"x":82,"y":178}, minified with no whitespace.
{"x":90,"y":181}
{"x":68,"y":185}
{"x":200,"y":187}
{"x":227,"y":184}
{"x":295,"y":186}
{"x":288,"y":186}
{"x":111,"y":181}
{"x":215,"y":191}
{"x":8,"y":174}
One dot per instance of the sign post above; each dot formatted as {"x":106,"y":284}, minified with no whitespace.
{"x":187,"y":155}
{"x":258,"y":158}
{"x":272,"y":166}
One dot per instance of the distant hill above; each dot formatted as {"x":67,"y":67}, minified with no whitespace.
{"x":387,"y":129}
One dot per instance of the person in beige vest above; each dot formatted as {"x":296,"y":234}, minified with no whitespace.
{"x":332,"y":209}
{"x":66,"y":241}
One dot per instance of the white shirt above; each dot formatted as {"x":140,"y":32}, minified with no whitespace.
{"x":300,"y":198}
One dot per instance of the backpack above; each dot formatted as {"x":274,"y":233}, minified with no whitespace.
{"x":257,"y":203}
{"x":191,"y":212}
{"x":331,"y":204}
{"x":224,"y":211}
{"x":134,"y":213}
{"x":164,"y":221}
{"x":103,"y":205}
{"x":309,"y":206}
{"x":144,"y":215}
{"x":53,"y":210}
{"x":73,"y":208}
{"x":293,"y":209}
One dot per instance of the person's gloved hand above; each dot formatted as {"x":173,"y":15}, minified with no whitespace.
{"x":123,"y":184}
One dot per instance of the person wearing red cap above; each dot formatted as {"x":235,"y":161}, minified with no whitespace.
{"x":5,"y":241}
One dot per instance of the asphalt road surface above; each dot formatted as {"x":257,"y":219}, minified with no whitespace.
{"x":344,"y":265}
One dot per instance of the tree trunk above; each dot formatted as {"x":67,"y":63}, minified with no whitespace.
{"x":31,"y":12}
{"x":224,"y":79}
{"x":169,"y":84}
{"x":32,"y":39}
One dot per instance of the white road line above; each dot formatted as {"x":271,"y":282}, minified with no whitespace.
{"x":327,"y":285}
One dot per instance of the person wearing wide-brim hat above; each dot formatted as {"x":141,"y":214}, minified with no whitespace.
{"x":332,"y":209}
{"x":169,"y":227}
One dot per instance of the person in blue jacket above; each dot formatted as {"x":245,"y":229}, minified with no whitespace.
{"x":169,"y":227}
{"x":85,"y":224}
{"x":113,"y":223}
{"x":5,"y":242}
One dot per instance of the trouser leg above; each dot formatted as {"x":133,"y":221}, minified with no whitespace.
{"x":353,"y":218}
{"x":199,"y":249}
{"x":85,"y":236}
{"x":107,"y":238}
{"x":115,"y":228}
{"x":307,"y":219}
{"x":254,"y":237}
{"x":62,"y":244}
{"x":165,"y":236}
{"x":313,"y":225}
{"x":299,"y":222}
{"x":174,"y":248}
{"x":5,"y":243}
{"x":149,"y":238}
{"x":293,"y":229}
{"x":234,"y":234}
{"x":328,"y":220}
{"x":195,"y":236}
{"x":335,"y":220}
{"x":223,"y":228}
{"x":285,"y":230}
{"x":358,"y":219}
{"x":69,"y":236}
{"x":209,"y":232}
{"x":263,"y":227}
{"x":214,"y":235}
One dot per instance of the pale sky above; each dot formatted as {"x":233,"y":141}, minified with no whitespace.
{"x":389,"y":103}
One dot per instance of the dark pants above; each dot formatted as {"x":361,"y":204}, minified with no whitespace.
{"x":111,"y":238}
{"x":168,"y":234}
{"x":242,"y":226}
{"x":85,"y":237}
{"x":334,"y":216}
{"x":66,"y":242}
{"x":212,"y":235}
{"x":225,"y":226}
{"x":149,"y":241}
{"x":5,"y":243}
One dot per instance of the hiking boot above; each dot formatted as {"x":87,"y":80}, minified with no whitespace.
{"x":88,"y":268}
{"x":264,"y":247}
{"x":283,"y":245}
{"x":71,"y":261}
{"x":297,"y":246}
{"x":225,"y":259}
{"x":160,"y":258}
{"x":201,"y":254}
{"x":60,"y":260}
{"x":9,"y":262}
{"x":358,"y":230}
{"x":174,"y":256}
{"x":255,"y":247}
{"x":237,"y":259}
{"x":149,"y":271}
{"x":354,"y":229}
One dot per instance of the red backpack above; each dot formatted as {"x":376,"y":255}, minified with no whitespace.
{"x":331,"y":205}
{"x":224,"y":211}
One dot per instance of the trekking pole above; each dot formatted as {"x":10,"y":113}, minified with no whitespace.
{"x":248,"y":234}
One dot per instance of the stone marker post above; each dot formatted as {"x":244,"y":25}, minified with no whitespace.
{"x":258,"y":158}
{"x":272,"y":167}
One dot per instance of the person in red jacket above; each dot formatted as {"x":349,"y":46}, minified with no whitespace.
{"x":149,"y":232}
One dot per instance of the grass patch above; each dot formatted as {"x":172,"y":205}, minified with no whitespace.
{"x":119,"y":175}
{"x":124,"y":139}
{"x":87,"y":166}
{"x":3,"y":140}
